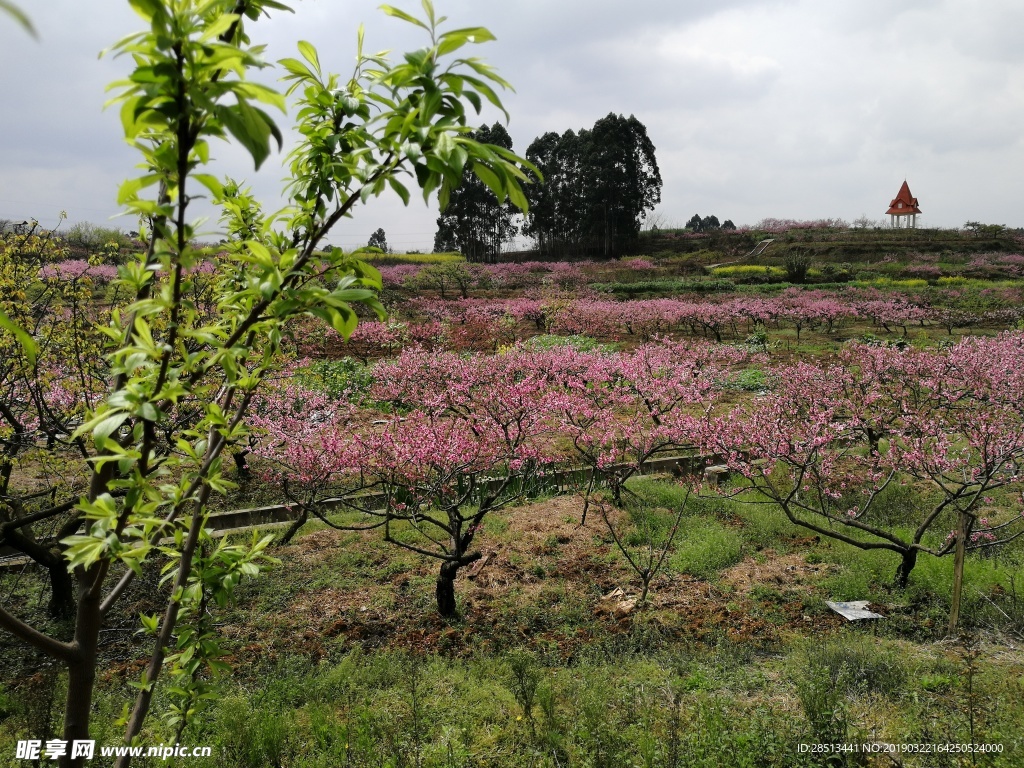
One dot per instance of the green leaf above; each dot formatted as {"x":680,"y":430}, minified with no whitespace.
{"x":490,"y":178}
{"x":150,"y":622}
{"x":149,"y":412}
{"x":252,"y":127}
{"x":219,"y":26}
{"x":129,"y":189}
{"x":454,"y":39}
{"x":211,"y":182}
{"x":392,"y":11}
{"x":517,"y":198}
{"x":341,"y":319}
{"x":108,"y":425}
{"x":147,"y":9}
{"x":399,"y":189}
{"x":297,"y":68}
{"x":309,"y":54}
{"x":12,"y":10}
{"x":28,"y":345}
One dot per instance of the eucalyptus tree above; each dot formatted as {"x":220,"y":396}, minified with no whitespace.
{"x":599,"y":185}
{"x":180,"y":381}
{"x":478,"y":221}
{"x":624,"y":180}
{"x":558,"y":208}
{"x":379,"y":239}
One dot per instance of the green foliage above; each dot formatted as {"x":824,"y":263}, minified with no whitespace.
{"x":446,"y":276}
{"x":459,"y":712}
{"x":252,"y":737}
{"x":856,"y":664}
{"x":18,"y":15}
{"x":759,"y":338}
{"x":25,"y":342}
{"x":197,"y":657}
{"x":765,"y":527}
{"x":797,"y":265}
{"x":899,"y":505}
{"x":707,"y":224}
{"x":598,"y":186}
{"x":524,"y":677}
{"x":180,"y":378}
{"x":823,"y":700}
{"x":97,"y":239}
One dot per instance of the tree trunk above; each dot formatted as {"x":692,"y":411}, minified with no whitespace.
{"x":616,"y":488}
{"x":62,"y":590}
{"x":963,"y":531}
{"x":906,"y":566}
{"x":445,"y":591}
{"x":294,"y":527}
{"x":82,"y":673}
{"x":241,"y":466}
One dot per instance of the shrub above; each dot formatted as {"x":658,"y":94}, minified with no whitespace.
{"x":797,"y":266}
{"x":339,"y":379}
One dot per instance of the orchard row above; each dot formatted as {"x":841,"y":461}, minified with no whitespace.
{"x":428,"y":428}
{"x":488,"y":324}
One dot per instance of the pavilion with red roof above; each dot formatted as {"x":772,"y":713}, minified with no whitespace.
{"x":903,"y":209}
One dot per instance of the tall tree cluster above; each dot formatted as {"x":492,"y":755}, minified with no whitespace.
{"x":599,"y":184}
{"x":475,"y":222}
{"x":708,"y":224}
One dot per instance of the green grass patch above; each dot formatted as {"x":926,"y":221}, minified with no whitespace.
{"x":579,"y":342}
{"x":748,"y":380}
{"x":412,"y":258}
{"x":705,"y":547}
{"x":766,"y":526}
{"x":665,"y":287}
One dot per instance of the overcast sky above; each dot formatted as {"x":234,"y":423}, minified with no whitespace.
{"x":757,"y":108}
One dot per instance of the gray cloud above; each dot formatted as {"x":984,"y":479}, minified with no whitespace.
{"x":787,"y":108}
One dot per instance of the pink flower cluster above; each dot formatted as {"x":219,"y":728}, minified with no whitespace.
{"x":77,"y":268}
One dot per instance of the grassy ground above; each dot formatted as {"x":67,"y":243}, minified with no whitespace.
{"x":735,"y":660}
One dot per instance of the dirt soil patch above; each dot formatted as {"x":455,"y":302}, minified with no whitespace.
{"x":540,"y":583}
{"x":790,"y":571}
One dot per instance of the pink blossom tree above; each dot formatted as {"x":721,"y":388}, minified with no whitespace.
{"x":826,"y":444}
{"x":620,"y":411}
{"x":464,"y":437}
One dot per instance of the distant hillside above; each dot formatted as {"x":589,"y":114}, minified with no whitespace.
{"x":838,"y":245}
